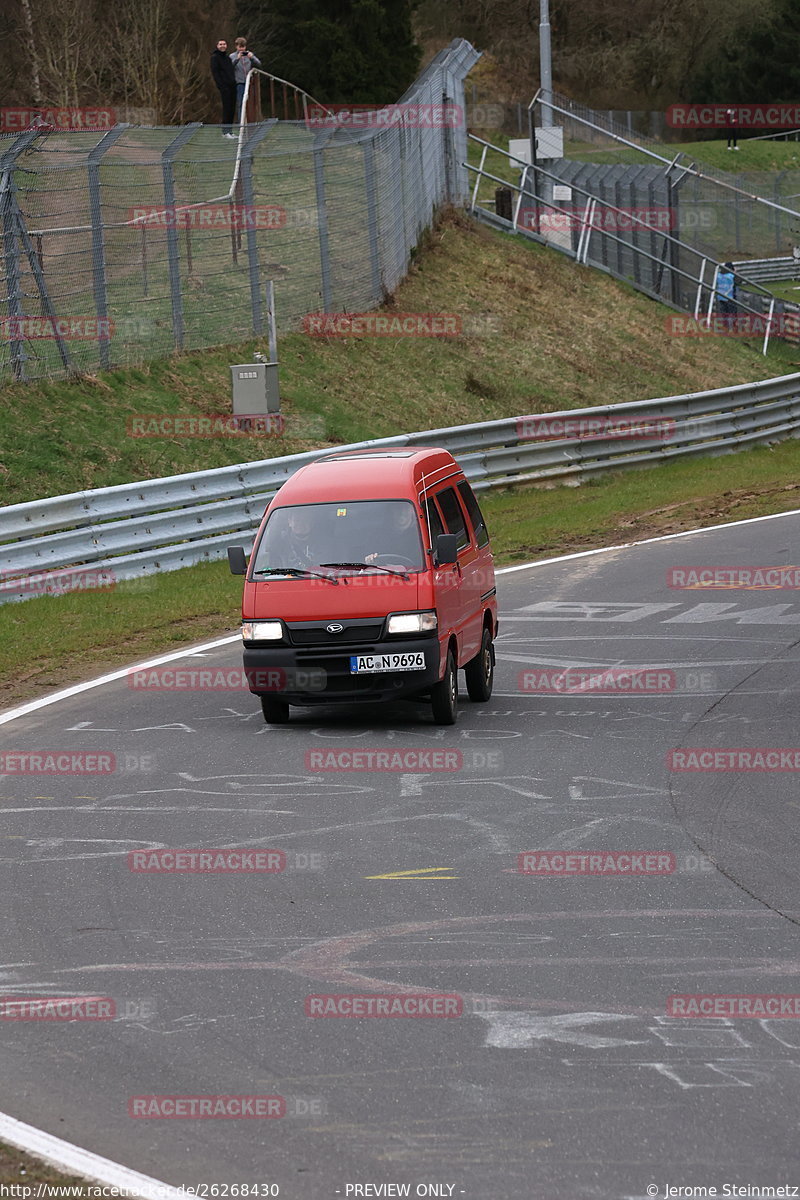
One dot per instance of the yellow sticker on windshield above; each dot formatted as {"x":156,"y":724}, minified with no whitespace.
{"x":341,"y":512}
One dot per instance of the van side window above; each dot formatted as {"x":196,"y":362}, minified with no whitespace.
{"x":434,"y":520}
{"x":454,"y":517}
{"x":475,"y":514}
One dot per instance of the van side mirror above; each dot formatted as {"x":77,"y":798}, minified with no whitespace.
{"x":446,"y":550}
{"x":237,"y":560}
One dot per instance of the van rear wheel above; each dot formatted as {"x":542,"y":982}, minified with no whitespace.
{"x":276,"y":712}
{"x":444,"y":695}
{"x":479,"y":671}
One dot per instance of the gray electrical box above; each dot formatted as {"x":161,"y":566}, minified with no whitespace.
{"x":255,"y":388}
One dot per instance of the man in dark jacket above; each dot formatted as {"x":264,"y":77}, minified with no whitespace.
{"x":225,"y":79}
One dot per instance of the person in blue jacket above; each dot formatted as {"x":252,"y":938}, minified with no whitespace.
{"x":726,"y":291}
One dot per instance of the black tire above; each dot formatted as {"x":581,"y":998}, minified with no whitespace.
{"x":479,"y":671}
{"x":276,"y":712}
{"x":444,"y":695}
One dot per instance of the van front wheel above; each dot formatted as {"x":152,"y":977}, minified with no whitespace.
{"x":479,"y":671}
{"x":444,"y":695}
{"x":276,"y":712}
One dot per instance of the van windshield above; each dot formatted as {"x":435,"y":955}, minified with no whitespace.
{"x":376,"y":533}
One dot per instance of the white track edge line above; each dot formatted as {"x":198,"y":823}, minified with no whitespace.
{"x":664,"y":537}
{"x":76,"y":689}
{"x":82,"y":1162}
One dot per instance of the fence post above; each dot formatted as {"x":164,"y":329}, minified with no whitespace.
{"x":252,"y":233}
{"x":322,"y":223}
{"x":173,"y":258}
{"x":11,"y":258}
{"x":777,"y":195}
{"x":448,"y":153}
{"x":11,"y":254}
{"x":372,"y":219}
{"x":98,"y":240}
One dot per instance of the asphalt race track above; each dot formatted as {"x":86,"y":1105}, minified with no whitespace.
{"x":567,"y":1073}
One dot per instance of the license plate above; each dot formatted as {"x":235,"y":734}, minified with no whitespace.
{"x":363,"y":664}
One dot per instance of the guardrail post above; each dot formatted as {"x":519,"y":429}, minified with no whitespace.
{"x":372,"y":219}
{"x":173,"y":257}
{"x":322,"y":223}
{"x":252,"y":239}
{"x":98,"y":240}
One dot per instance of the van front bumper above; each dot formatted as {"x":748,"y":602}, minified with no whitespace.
{"x":321,"y":675}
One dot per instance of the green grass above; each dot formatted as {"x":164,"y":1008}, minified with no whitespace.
{"x":17,"y":1167}
{"x":91,"y":632}
{"x":785,"y":289}
{"x":751,"y":156}
{"x":558,"y":337}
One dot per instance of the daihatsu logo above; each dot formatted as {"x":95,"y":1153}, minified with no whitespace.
{"x":335,"y":628}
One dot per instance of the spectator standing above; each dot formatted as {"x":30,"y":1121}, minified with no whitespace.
{"x":225,"y":78}
{"x":726,"y":292}
{"x":730,"y":124}
{"x":243,"y":62}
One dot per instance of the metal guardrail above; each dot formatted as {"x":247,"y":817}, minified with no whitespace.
{"x":162,"y":524}
{"x":762,"y":270}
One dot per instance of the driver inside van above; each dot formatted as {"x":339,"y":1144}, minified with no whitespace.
{"x":298,"y":544}
{"x":401,"y":538}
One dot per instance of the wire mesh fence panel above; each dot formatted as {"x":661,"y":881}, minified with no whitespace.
{"x":125,"y":246}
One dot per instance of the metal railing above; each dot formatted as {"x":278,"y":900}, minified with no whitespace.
{"x":163,"y":524}
{"x":753,"y":213}
{"x":642,"y":252}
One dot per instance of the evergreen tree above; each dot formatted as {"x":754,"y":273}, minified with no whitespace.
{"x":757,"y":63}
{"x":341,"y":51}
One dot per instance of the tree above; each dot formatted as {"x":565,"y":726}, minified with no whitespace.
{"x":760,"y":62}
{"x":340,"y":51}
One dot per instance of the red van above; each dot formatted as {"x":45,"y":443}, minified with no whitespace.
{"x":371,"y":579}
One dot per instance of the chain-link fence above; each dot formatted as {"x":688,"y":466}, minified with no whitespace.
{"x":126,"y":246}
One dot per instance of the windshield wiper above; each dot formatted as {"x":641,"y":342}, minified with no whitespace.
{"x":297,"y":571}
{"x":362,"y":566}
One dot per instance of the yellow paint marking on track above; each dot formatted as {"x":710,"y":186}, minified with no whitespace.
{"x":416,"y":873}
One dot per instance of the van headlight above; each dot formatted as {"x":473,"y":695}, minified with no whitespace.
{"x":262,"y":631}
{"x":413,"y":622}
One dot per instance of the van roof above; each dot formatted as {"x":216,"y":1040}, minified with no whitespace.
{"x":380,"y":474}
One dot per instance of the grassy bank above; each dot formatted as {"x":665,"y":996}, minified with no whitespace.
{"x":540,"y":334}
{"x":91,"y":632}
